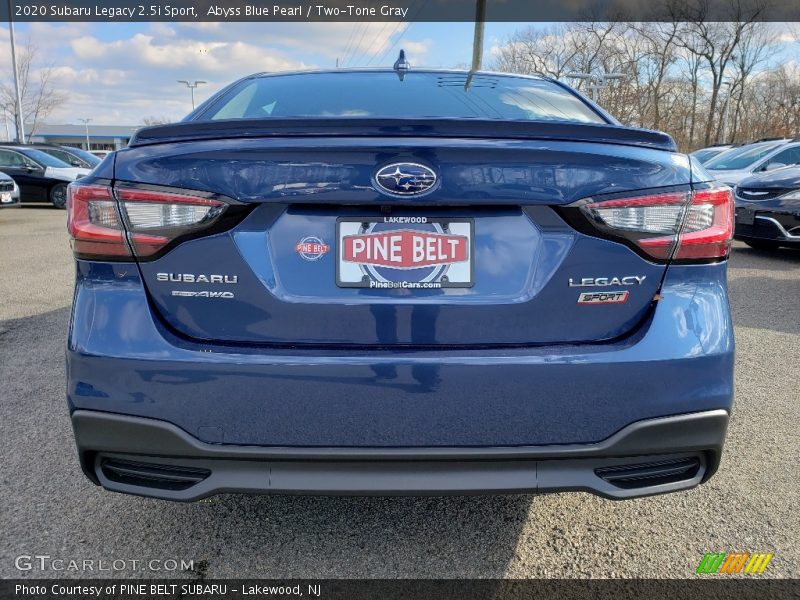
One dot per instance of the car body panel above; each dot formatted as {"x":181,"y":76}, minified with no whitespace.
{"x":768,"y":207}
{"x":525,"y":254}
{"x":122,"y":360}
{"x":234,"y":341}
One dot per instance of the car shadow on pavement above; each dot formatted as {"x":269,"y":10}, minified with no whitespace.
{"x":765,"y":303}
{"x":57,"y":511}
{"x":383,"y":537}
{"x":783,"y":259}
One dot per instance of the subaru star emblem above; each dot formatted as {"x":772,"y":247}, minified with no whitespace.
{"x":405,"y":179}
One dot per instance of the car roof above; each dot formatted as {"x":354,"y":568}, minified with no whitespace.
{"x":411,"y":71}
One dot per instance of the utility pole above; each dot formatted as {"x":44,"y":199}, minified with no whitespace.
{"x":18,"y":117}
{"x":597,"y":81}
{"x":192,"y":87}
{"x":86,"y":125}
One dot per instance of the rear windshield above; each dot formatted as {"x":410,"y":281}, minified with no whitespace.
{"x":740,"y":158}
{"x":383,"y":95}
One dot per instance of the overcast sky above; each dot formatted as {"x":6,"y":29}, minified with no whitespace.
{"x":122,"y":73}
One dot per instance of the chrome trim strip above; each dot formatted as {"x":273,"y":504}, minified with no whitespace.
{"x":783,"y":231}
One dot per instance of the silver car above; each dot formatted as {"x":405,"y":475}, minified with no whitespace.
{"x":9,"y":192}
{"x":734,"y":165}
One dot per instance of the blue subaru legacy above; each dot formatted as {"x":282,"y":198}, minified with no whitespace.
{"x":372,"y":282}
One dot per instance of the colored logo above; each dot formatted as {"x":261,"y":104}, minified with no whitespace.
{"x":734,"y":562}
{"x":311,"y":248}
{"x":405,"y":179}
{"x":603,"y":298}
{"x":405,"y":249}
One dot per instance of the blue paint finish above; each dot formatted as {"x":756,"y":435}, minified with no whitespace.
{"x":485,"y":172}
{"x":680,"y":360}
{"x":291,"y":359}
{"x":521,"y":273}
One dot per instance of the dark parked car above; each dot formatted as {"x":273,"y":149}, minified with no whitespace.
{"x":768,"y":209}
{"x":40,"y":176}
{"x":74,"y":157}
{"x":354,"y":282}
{"x":9,"y":192}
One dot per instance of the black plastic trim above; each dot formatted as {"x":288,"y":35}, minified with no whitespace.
{"x":398,"y":471}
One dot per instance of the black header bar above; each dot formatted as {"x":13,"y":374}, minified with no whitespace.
{"x":398,"y":10}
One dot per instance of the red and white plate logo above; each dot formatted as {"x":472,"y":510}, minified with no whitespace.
{"x":311,"y":248}
{"x":413,"y":252}
{"x":405,"y":249}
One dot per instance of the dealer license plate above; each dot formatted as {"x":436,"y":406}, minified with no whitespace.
{"x":413,"y":252}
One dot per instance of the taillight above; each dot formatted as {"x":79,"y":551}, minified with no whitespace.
{"x":696,"y":225}
{"x":146,"y":223}
{"x":93,"y":223}
{"x":154,"y":218}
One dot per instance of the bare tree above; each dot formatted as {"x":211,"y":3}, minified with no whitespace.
{"x":699,"y":81}
{"x":39,"y":98}
{"x":716,"y":43}
{"x":552,"y":52}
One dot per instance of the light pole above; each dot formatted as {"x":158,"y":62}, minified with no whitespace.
{"x":597,"y":82}
{"x":191,"y":86}
{"x":86,"y":125}
{"x":19,"y":120}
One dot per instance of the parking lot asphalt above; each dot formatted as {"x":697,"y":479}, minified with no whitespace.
{"x":47,"y":506}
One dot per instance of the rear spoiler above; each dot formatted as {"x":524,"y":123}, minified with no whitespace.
{"x":361,"y":127}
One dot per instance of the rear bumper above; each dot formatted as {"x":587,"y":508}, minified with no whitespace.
{"x":121,"y":360}
{"x":15,"y":203}
{"x":780,"y":227}
{"x":132,"y":454}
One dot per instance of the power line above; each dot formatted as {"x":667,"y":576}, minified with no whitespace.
{"x":368,"y":52}
{"x":350,"y":40}
{"x":361,"y":39}
{"x":409,"y":23}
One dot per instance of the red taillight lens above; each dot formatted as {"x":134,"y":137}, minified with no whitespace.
{"x":699,"y":240}
{"x":150,"y":220}
{"x":697,"y":225}
{"x":156,"y":218}
{"x":93,"y":223}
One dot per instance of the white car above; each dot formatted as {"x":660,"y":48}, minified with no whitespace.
{"x":732,"y":166}
{"x":9,"y":192}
